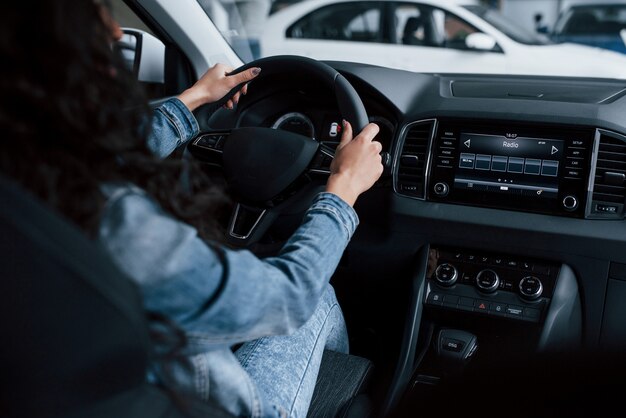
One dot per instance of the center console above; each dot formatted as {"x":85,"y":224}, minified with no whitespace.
{"x":489,"y":284}
{"x":541,"y":169}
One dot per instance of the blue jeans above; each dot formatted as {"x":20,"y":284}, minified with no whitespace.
{"x":285,"y":368}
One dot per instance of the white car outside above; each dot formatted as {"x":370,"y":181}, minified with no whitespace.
{"x":431,"y":36}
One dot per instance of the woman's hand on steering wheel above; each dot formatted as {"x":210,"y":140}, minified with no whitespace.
{"x":215,"y":84}
{"x":357,"y":163}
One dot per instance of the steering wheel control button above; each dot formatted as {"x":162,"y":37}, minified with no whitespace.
{"x":487,"y":281}
{"x":570,"y":203}
{"x":213,"y":142}
{"x":446,"y":274}
{"x":441,"y":189}
{"x":530,"y":287}
{"x":435,"y":298}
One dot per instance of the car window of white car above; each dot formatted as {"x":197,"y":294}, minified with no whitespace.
{"x":422,"y":25}
{"x":359,"y":22}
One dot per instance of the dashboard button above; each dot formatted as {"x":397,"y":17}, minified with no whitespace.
{"x":576,"y":143}
{"x":434,"y":298}
{"x":576,"y":152}
{"x":498,"y":309}
{"x":445,"y":161}
{"x":574,"y":162}
{"x":448,"y":142}
{"x":450,"y":301}
{"x":446,"y":152}
{"x":532,"y":313}
{"x":525,"y":265}
{"x":441,"y":189}
{"x":573,"y":173}
{"x":514,"y":311}
{"x":481,"y":306}
{"x":452,"y":344}
{"x":466,"y":304}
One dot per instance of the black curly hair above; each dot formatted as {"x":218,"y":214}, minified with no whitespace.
{"x":72,"y":118}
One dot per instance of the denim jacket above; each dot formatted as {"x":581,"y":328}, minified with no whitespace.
{"x":220,"y":297}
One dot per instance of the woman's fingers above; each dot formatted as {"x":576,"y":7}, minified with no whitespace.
{"x":346,"y":135}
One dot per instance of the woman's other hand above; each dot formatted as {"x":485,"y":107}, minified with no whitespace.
{"x":357,"y":163}
{"x":215,"y":84}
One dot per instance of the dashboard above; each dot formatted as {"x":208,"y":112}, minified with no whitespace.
{"x":501,"y":211}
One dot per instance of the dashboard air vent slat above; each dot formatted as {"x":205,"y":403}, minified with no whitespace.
{"x":609,"y":186}
{"x":411,"y":165}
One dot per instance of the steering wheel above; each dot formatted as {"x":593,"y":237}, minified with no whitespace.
{"x":262,"y":165}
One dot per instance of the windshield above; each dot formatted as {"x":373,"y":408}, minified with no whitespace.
{"x":506,"y":26}
{"x":429,"y":36}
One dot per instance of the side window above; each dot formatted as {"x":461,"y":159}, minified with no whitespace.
{"x":126,"y":17}
{"x":416,"y":24}
{"x":426,"y":26}
{"x":455,"y":29}
{"x":162,"y":70}
{"x":343,"y":22}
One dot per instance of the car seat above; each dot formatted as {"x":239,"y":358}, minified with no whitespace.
{"x":427,"y":24}
{"x":411,"y":26}
{"x":75,"y":335}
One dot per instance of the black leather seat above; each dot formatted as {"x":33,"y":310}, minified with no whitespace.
{"x":75,"y":335}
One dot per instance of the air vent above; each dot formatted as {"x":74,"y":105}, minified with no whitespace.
{"x":609,"y":190}
{"x":412,"y":159}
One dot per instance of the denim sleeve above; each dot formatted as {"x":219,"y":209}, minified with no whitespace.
{"x":223,"y":296}
{"x":172,"y":125}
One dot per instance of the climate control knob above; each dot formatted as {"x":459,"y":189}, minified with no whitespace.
{"x":530,"y":287}
{"x":487,"y":281}
{"x":446,"y":274}
{"x":441,"y":189}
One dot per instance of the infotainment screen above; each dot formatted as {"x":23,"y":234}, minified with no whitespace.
{"x":510,"y":165}
{"x":530,"y":167}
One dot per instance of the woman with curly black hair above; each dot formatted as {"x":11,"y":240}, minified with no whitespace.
{"x":74,"y":133}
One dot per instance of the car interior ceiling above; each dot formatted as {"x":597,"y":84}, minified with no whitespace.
{"x":475,"y":267}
